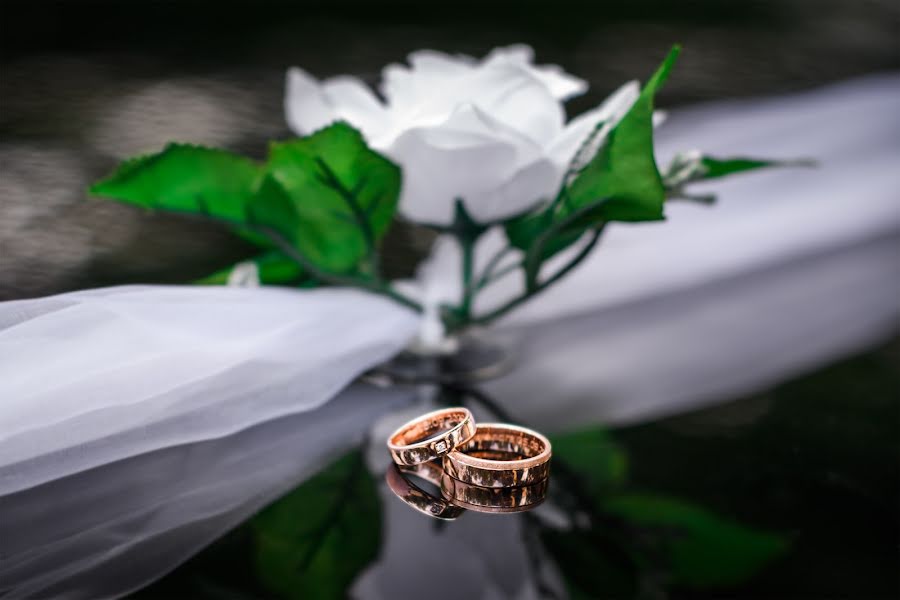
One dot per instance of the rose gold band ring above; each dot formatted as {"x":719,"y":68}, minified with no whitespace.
{"x":431,"y":436}
{"x":500,"y":456}
{"x":398,"y":480}
{"x":493,"y":500}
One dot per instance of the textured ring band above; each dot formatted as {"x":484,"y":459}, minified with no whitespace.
{"x":500,"y":455}
{"x":431,"y":436}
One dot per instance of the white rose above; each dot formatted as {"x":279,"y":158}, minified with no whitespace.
{"x":491,"y":133}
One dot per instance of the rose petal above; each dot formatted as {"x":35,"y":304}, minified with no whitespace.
{"x":460,"y":158}
{"x":439,"y":84}
{"x":397,"y":86}
{"x":460,"y":128}
{"x":560,"y":84}
{"x":514,"y":96}
{"x":522,"y":191}
{"x":311,"y":105}
{"x":493,"y":169}
{"x":522,"y":54}
{"x":353,"y":101}
{"x":431,"y":63}
{"x":405,"y":87}
{"x":305,"y":103}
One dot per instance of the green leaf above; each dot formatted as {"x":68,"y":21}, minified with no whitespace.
{"x":546,"y":230}
{"x":598,"y":460}
{"x":620,"y":183}
{"x":689,"y":167}
{"x":720,"y":167}
{"x":274,"y":268}
{"x":336,"y":199}
{"x":624,"y":170}
{"x":524,"y":229}
{"x":703,"y":550}
{"x":328,"y":194}
{"x":313,"y":542}
{"x":594,"y":564}
{"x":186,"y":179}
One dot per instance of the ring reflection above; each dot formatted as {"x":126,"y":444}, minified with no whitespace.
{"x":399,"y":481}
{"x":494,"y":500}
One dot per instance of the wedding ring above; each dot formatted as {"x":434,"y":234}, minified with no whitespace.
{"x":431,"y":436}
{"x":493,"y":500}
{"x":500,"y":456}
{"x":414,"y":496}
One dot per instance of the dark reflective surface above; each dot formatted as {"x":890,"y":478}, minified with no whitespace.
{"x":808,"y":471}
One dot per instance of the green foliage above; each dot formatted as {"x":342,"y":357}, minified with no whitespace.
{"x":594,"y":565}
{"x":624,"y":170}
{"x":274,"y":268}
{"x":313,"y":542}
{"x":642,"y":541}
{"x":338,"y":196}
{"x":185,"y":179}
{"x":599,"y":461}
{"x":720,"y":167}
{"x":703,"y":550}
{"x":328,"y":195}
{"x":691,"y":167}
{"x":620,"y":183}
{"x":323,"y":202}
{"x":524,"y":229}
{"x":542,"y":235}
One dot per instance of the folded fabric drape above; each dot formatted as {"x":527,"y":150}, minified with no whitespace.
{"x":92,"y":377}
{"x":115,"y":527}
{"x":145,"y":421}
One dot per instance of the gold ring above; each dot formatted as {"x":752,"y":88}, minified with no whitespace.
{"x":500,"y":456}
{"x":493,"y":500}
{"x":431,"y":436}
{"x":414,"y":496}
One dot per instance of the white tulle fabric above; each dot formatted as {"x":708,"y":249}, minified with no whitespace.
{"x":490,"y":132}
{"x":103,"y":532}
{"x":139,"y":423}
{"x":95,"y":375}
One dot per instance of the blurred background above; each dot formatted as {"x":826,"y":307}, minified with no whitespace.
{"x":84,"y":85}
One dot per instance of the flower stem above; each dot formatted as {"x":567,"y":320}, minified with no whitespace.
{"x":371,"y":284}
{"x":488,"y":275}
{"x":375,"y":285}
{"x":467,"y":245}
{"x":528,"y":294}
